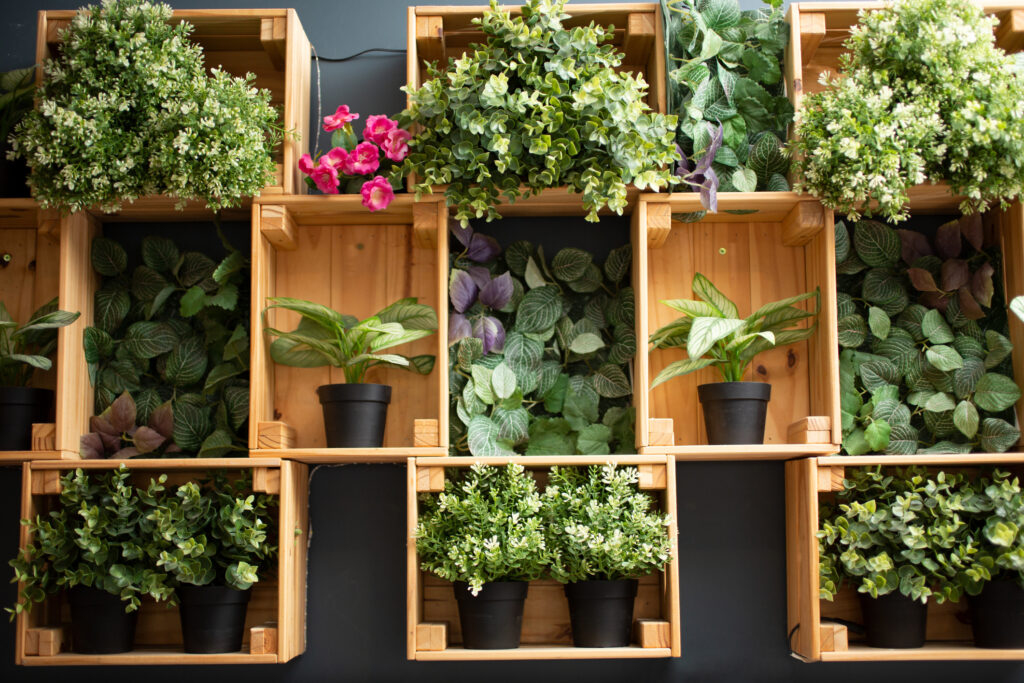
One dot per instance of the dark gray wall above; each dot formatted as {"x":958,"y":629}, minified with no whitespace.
{"x":731,"y":516}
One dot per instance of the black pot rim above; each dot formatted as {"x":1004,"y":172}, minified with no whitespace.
{"x":211,"y":594}
{"x":492,"y":590}
{"x":600,"y":589}
{"x":24,"y":395}
{"x":726,"y":391}
{"x":364,"y":392}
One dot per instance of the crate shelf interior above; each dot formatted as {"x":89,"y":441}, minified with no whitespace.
{"x":331,"y":250}
{"x":813,"y":636}
{"x":432,"y":620}
{"x":275,"y":623}
{"x":784,"y":249}
{"x":269,"y":43}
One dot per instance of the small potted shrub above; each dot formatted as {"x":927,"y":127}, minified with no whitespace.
{"x":94,"y":546}
{"x":602,"y":536}
{"x":16,"y":88}
{"x":713,"y":334}
{"x":354,"y":412}
{"x":213,"y":540}
{"x":898,"y":538}
{"x":23,"y":350}
{"x":994,"y":511}
{"x":485,"y":533}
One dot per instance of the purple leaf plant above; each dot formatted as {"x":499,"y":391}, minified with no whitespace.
{"x":475,"y":291}
{"x":702,"y":178}
{"x":114,"y":433}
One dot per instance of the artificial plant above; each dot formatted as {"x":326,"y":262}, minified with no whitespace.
{"x":541,"y":350}
{"x":26,"y":348}
{"x":16,"y":88}
{"x":115,"y":433}
{"x":994,"y":513}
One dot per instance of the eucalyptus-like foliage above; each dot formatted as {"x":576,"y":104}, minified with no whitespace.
{"x":994,"y":512}
{"x":713,"y":334}
{"x":25,"y":348}
{"x":326,"y":337}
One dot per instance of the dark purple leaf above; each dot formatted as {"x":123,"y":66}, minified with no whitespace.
{"x":462,"y":290}
{"x":709,"y":191}
{"x":91,"y":447}
{"x":498,"y":292}
{"x":947,"y":240}
{"x":981,"y":284}
{"x":481,"y":276}
{"x":126,"y":453}
{"x":162,"y":420}
{"x":122,"y":413}
{"x":148,"y":440}
{"x":483,"y":248}
{"x":913,"y":245}
{"x":173,"y":448}
{"x":110,"y":443}
{"x":462,"y":234}
{"x":936,"y":300}
{"x":704,"y":165}
{"x":491,"y":332}
{"x":922,"y":280}
{"x":101,"y":425}
{"x":955,"y":274}
{"x":683,"y":167}
{"x":458,"y":328}
{"x":968,"y":306}
{"x":972,"y":230}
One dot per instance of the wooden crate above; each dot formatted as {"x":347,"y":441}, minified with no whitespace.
{"x":812,"y":636}
{"x":331,"y":250}
{"x":269,"y":43}
{"x":784,"y":249}
{"x":433,"y":632}
{"x":276,"y":619}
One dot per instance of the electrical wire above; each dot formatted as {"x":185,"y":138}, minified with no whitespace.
{"x":359,"y":54}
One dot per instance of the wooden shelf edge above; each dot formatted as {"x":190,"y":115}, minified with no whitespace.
{"x":542,"y":460}
{"x":18,"y":457}
{"x":328,"y":456}
{"x":581,"y":8}
{"x":934,"y":651}
{"x":936,"y":459}
{"x":741,"y":453}
{"x":158,"y":463}
{"x":143,"y":657}
{"x":525,"y":652}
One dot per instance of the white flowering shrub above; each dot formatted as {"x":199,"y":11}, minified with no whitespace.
{"x":126,"y":109}
{"x":600,"y":526}
{"x":924,"y":95}
{"x":486,"y":526}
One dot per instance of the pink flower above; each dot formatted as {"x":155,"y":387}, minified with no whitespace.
{"x":377,"y":193}
{"x":339,"y":118}
{"x":340,"y":159}
{"x":378,"y":127}
{"x":396,"y":144}
{"x":306,"y":164}
{"x":365,"y":158}
{"x":326,"y":178}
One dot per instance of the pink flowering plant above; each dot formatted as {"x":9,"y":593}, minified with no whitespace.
{"x":371,"y":167}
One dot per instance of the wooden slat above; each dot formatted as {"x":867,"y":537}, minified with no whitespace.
{"x":1011,"y":232}
{"x":815,"y":429}
{"x":44,"y":641}
{"x":44,"y":436}
{"x":292,"y":557}
{"x":278,"y":227}
{"x":659,"y":223}
{"x":834,"y":637}
{"x":176,"y":464}
{"x":641,"y":362}
{"x":967,"y":459}
{"x":652,"y":633}
{"x":296,"y":103}
{"x":266,"y":480}
{"x":820,"y":268}
{"x":413,"y":577}
{"x":273,"y":36}
{"x":639,"y":38}
{"x":431,"y":637}
{"x":660,"y":432}
{"x":802,"y":222}
{"x":275,"y":435}
{"x":425,"y":433}
{"x":544,"y":460}
{"x":1010,"y":32}
{"x":653,"y":477}
{"x":543,"y":652}
{"x":426,"y":224}
{"x":347,"y":456}
{"x":774,"y":451}
{"x":831,"y":478}
{"x":429,"y":479}
{"x":802,"y":559}
{"x":430,"y":38}
{"x":812,"y":31}
{"x":931,"y":652}
{"x":263,"y":639}
{"x":670,"y":577}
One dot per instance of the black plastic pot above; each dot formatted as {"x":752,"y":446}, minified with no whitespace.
{"x":734,"y":412}
{"x":13,"y":176}
{"x":997,"y":615}
{"x":355,"y":414}
{"x":894,"y":621}
{"x":19,"y":408}
{"x":493,"y":619}
{"x":601,"y":612}
{"x":212,"y":618}
{"x":99,"y":624}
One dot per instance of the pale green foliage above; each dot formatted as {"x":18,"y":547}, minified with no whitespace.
{"x":127,"y":109}
{"x":24,"y":348}
{"x":599,"y":526}
{"x":924,"y":95}
{"x":538,"y":106}
{"x":326,"y":337}
{"x":994,"y":512}
{"x":486,"y":526}
{"x":713,"y":334}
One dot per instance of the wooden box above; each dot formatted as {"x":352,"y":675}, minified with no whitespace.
{"x":812,"y":637}
{"x":331,"y":250}
{"x":433,"y":630}
{"x":276,"y":618}
{"x":781,"y":246}
{"x":270,"y":43}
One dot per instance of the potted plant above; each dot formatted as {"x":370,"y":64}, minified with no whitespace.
{"x":16,"y":88}
{"x":602,"y":536}
{"x":23,"y":350}
{"x":95,"y":547}
{"x":713,"y":334}
{"x":897,"y":537}
{"x":213,"y":540}
{"x":994,"y":577}
{"x":128,"y":104}
{"x":485,"y":533}
{"x":561,"y":114}
{"x":355,"y":412}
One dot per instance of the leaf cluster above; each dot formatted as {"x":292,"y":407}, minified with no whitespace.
{"x":537,"y":105}
{"x":16,"y":88}
{"x":713,"y":334}
{"x":174,"y":329}
{"x":994,"y":512}
{"x":25,"y":348}
{"x":541,"y":355}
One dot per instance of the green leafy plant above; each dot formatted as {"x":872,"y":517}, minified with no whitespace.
{"x":16,"y":88}
{"x":542,"y":350}
{"x":894,"y":532}
{"x":174,"y":329}
{"x":486,"y":526}
{"x":994,"y":512}
{"x":536,"y":106}
{"x":213,"y":532}
{"x":25,"y":348}
{"x":127,"y":109}
{"x":725,"y":80}
{"x":924,"y":94}
{"x":115,"y":434}
{"x":713,"y":334}
{"x":326,"y":337}
{"x":599,"y":526}
{"x":96,"y":537}
{"x":930,"y":376}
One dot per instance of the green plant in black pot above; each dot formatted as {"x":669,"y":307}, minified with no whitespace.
{"x":603,"y":536}
{"x":714,"y":335}
{"x":16,"y":88}
{"x":23,"y":350}
{"x":213,"y":538}
{"x":354,"y":412}
{"x":95,"y":547}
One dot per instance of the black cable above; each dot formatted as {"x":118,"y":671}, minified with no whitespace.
{"x":358,"y":54}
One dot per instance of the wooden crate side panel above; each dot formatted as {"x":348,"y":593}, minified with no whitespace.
{"x":296,"y":103}
{"x":293,"y":547}
{"x":822,"y":348}
{"x":440,"y":304}
{"x":261,"y":367}
{"x":1011,"y":228}
{"x":670,"y":578}
{"x":413,"y":576}
{"x":641,"y":363}
{"x":18,"y":276}
{"x":802,"y":559}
